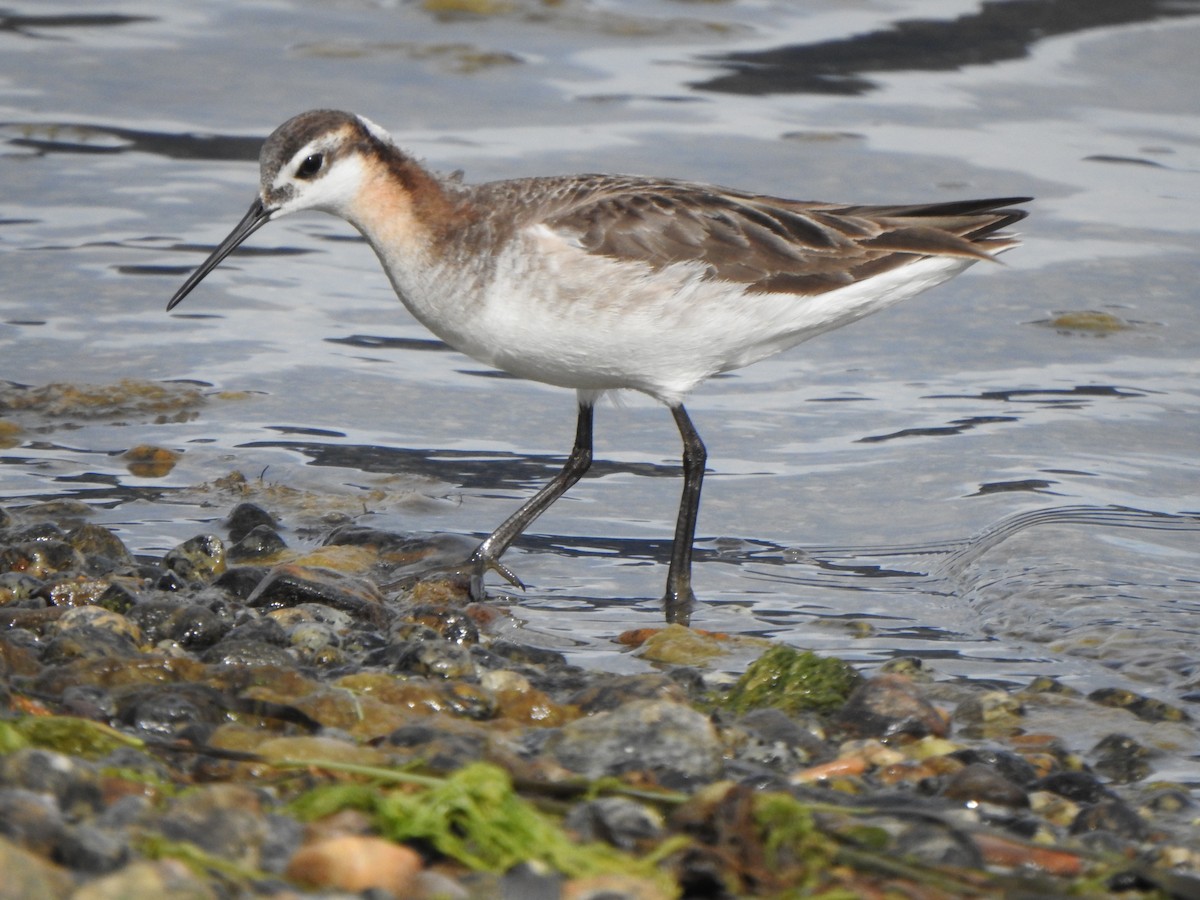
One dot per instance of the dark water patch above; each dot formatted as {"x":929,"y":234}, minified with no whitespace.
{"x":91,"y":139}
{"x":997,"y":32}
{"x":958,"y":426}
{"x":1048,"y":396}
{"x":306,"y":431}
{"x":1125,"y":160}
{"x":31,"y":26}
{"x":1032,"y":485}
{"x":378,"y":342}
{"x":152,"y":270}
{"x":471,"y":469}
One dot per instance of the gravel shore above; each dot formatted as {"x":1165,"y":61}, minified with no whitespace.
{"x":241,"y":719}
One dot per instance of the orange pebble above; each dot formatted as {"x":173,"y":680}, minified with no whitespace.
{"x":356,"y":863}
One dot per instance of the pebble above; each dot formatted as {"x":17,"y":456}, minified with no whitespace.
{"x":619,"y":821}
{"x":1121,"y":759}
{"x":890,"y":706}
{"x":669,"y":740}
{"x":357,"y":863}
{"x":979,"y":783}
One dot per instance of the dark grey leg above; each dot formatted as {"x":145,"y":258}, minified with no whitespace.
{"x":487,"y":555}
{"x":679,"y":597}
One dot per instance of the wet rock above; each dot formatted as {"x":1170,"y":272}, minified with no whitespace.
{"x":169,"y":580}
{"x":978,"y":783}
{"x":259,"y":543}
{"x":619,"y":821}
{"x":149,"y":461}
{"x":72,"y":783}
{"x":41,"y":558}
{"x":166,"y":879}
{"x":290,"y":585}
{"x":283,"y":835}
{"x":103,"y":550}
{"x":254,"y":627}
{"x":223,"y":819}
{"x":679,"y":645}
{"x":777,"y":741}
{"x":99,"y":618}
{"x":245,"y":517}
{"x":1082,"y":787}
{"x":1145,"y":708}
{"x":937,"y":844}
{"x":440,"y":749}
{"x":890,"y":706}
{"x":87,"y":642}
{"x":519,"y":701}
{"x":28,"y":875}
{"x":1121,"y":759}
{"x":1044,"y":684}
{"x":911,"y":667}
{"x":241,"y":581}
{"x":118,"y":597}
{"x":91,"y":850}
{"x":668,"y":739}
{"x":197,"y":627}
{"x":1169,"y":799}
{"x":153,"y":618}
{"x":612,"y":692}
{"x":199,"y":559}
{"x":524,"y":653}
{"x":30,"y":820}
{"x":312,"y":639}
{"x":72,"y":591}
{"x":242,"y":652}
{"x":37,"y":532}
{"x":448,"y":624}
{"x":435,"y":659}
{"x":988,"y":714}
{"x":399,"y":551}
{"x":169,"y":711}
{"x":17,"y":586}
{"x":1112,"y":816}
{"x":90,"y":701}
{"x":1011,"y":766}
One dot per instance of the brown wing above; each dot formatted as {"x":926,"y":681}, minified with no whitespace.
{"x":766,"y":243}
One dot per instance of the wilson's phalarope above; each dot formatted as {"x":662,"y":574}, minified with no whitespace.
{"x":600,"y":282}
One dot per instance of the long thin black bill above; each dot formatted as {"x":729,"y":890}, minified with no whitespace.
{"x":255,"y":219}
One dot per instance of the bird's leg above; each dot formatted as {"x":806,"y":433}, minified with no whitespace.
{"x":679,"y":597}
{"x":487,"y":555}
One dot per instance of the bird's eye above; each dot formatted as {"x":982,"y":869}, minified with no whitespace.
{"x":311,"y":166}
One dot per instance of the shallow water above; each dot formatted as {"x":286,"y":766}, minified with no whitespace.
{"x":997,"y":494}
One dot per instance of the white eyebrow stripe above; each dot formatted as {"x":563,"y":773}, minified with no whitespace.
{"x":376,"y":130}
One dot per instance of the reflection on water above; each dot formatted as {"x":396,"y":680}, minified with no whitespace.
{"x":994,"y":33}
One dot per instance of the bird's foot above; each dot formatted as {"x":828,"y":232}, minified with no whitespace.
{"x":478,"y":566}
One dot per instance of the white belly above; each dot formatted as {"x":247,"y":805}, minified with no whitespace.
{"x":556,"y":314}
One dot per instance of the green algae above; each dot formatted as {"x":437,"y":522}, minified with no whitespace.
{"x":476,"y":817}
{"x":64,"y":734}
{"x":794,"y":681}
